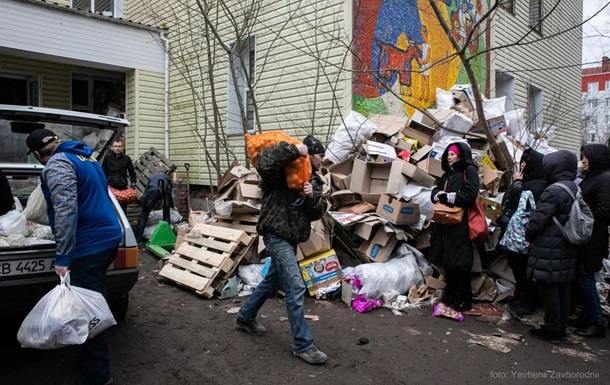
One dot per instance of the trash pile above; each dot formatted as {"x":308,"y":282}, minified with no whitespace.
{"x":378,"y":183}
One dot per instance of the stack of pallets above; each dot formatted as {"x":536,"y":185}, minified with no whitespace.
{"x":151,"y":162}
{"x":207,"y":258}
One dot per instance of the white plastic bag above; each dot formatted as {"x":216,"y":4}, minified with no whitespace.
{"x":67,"y":315}
{"x":57,"y":320}
{"x":354,"y":129}
{"x":36,"y":208}
{"x":444,"y":99}
{"x":96,"y":309}
{"x":13,"y":222}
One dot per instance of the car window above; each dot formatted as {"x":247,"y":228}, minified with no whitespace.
{"x":15,"y":149}
{"x":22,"y":187}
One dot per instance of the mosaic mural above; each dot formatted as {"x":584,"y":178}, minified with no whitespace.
{"x":402,"y":53}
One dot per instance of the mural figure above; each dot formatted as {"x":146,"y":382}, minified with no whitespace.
{"x":424,"y":65}
{"x":396,"y":60}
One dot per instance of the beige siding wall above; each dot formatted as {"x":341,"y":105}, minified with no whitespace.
{"x":54,"y":78}
{"x":64,"y":3}
{"x":538,"y":61}
{"x":144,"y":109}
{"x":301,"y":76}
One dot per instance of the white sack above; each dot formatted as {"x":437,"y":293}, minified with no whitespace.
{"x":354,"y":129}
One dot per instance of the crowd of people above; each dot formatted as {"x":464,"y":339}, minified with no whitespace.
{"x":552,"y":271}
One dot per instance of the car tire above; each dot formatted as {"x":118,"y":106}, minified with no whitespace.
{"x":119,"y":306}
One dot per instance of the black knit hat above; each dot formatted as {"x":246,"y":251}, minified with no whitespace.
{"x":314,"y":146}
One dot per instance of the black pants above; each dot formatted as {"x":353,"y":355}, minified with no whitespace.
{"x":525,"y":290}
{"x":458,"y":285}
{"x":556,"y":297}
{"x":149,"y":199}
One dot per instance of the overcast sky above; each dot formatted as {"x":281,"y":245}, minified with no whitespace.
{"x":593,"y":45}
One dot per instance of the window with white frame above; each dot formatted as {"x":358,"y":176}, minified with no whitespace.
{"x":113,"y":8}
{"x":534,"y":107}
{"x":536,"y":15}
{"x":19,"y":89}
{"x":607,"y":85}
{"x":243,"y":66}
{"x":592,"y":86}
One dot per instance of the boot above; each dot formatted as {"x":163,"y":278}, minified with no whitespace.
{"x":579,"y":322}
{"x":592,"y":331}
{"x":547,"y":336}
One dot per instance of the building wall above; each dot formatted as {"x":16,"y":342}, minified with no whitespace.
{"x":300,"y":76}
{"x":545,"y":60}
{"x":392,"y":37}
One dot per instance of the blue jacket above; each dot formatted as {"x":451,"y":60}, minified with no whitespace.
{"x":81,"y":214}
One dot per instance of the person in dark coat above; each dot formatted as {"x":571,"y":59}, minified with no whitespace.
{"x":529,"y":177}
{"x":451,"y":247}
{"x":552,"y":259}
{"x":159,"y":188}
{"x":595,"y":188}
{"x":6,"y":196}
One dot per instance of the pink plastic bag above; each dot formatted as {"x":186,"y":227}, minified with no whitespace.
{"x":442,"y":310}
{"x":363,"y":305}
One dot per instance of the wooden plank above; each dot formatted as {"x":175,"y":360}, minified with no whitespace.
{"x":219,"y":232}
{"x":185,"y":278}
{"x":193,"y":266}
{"x":202,"y":255}
{"x":242,"y":218}
{"x":212,"y":243}
{"x":250,"y":229}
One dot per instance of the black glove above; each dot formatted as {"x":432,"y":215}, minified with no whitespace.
{"x":442,"y":198}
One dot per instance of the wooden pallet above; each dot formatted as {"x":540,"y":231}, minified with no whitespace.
{"x":202,"y":263}
{"x":244,"y":222}
{"x":151,"y":162}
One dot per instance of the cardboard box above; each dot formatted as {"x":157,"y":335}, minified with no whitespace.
{"x":396,"y":211}
{"x":462,"y":93}
{"x":423,"y":239}
{"x":370,"y":179}
{"x":341,"y":172}
{"x":407,"y":144}
{"x":434,"y":161}
{"x":380,"y":247}
{"x":458,"y":122}
{"x":320,"y":271}
{"x":417,"y":174}
{"x":249,"y":189}
{"x":492,"y":208}
{"x":434,"y":283}
{"x":421,"y":154}
{"x":419,"y":131}
{"x":366,"y":228}
{"x":380,"y":152}
{"x":348,"y":292}
{"x":319,"y":240}
{"x":497,"y":125}
{"x":389,"y":124}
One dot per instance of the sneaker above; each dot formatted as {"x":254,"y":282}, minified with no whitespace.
{"x":312,"y":356}
{"x":253,"y":327}
{"x":592,"y":331}
{"x":542,"y":334}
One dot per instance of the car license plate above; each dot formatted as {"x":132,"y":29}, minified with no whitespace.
{"x":26,"y":266}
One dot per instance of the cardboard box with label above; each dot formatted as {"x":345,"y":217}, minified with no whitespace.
{"x":418,"y":131}
{"x":396,"y":211}
{"x":380,"y":247}
{"x":434,"y":161}
{"x":388,"y":125}
{"x":320,"y":271}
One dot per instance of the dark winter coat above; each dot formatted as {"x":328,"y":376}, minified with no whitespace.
{"x":285,"y":212}
{"x":596,"y":193}
{"x":552,"y":258}
{"x":6,"y":196}
{"x":116,"y":167}
{"x":533,"y":180}
{"x":450,"y":246}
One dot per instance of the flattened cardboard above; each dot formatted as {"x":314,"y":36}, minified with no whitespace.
{"x":249,"y":189}
{"x":366,"y":228}
{"x":358,"y":208}
{"x":389,"y":124}
{"x":396,"y":211}
{"x":421,"y":154}
{"x":417,"y":174}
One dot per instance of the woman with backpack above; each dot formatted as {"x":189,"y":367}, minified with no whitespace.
{"x":451,"y":247}
{"x":595,"y":188}
{"x":552,"y":259}
{"x":529,"y":178}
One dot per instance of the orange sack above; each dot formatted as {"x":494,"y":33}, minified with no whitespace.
{"x":297,"y":172}
{"x":124,"y":197}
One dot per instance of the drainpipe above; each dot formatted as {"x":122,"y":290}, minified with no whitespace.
{"x":165,"y":40}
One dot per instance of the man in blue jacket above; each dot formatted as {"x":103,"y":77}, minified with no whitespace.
{"x":85,"y":225}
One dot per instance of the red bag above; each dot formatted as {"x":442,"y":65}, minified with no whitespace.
{"x":477,"y":224}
